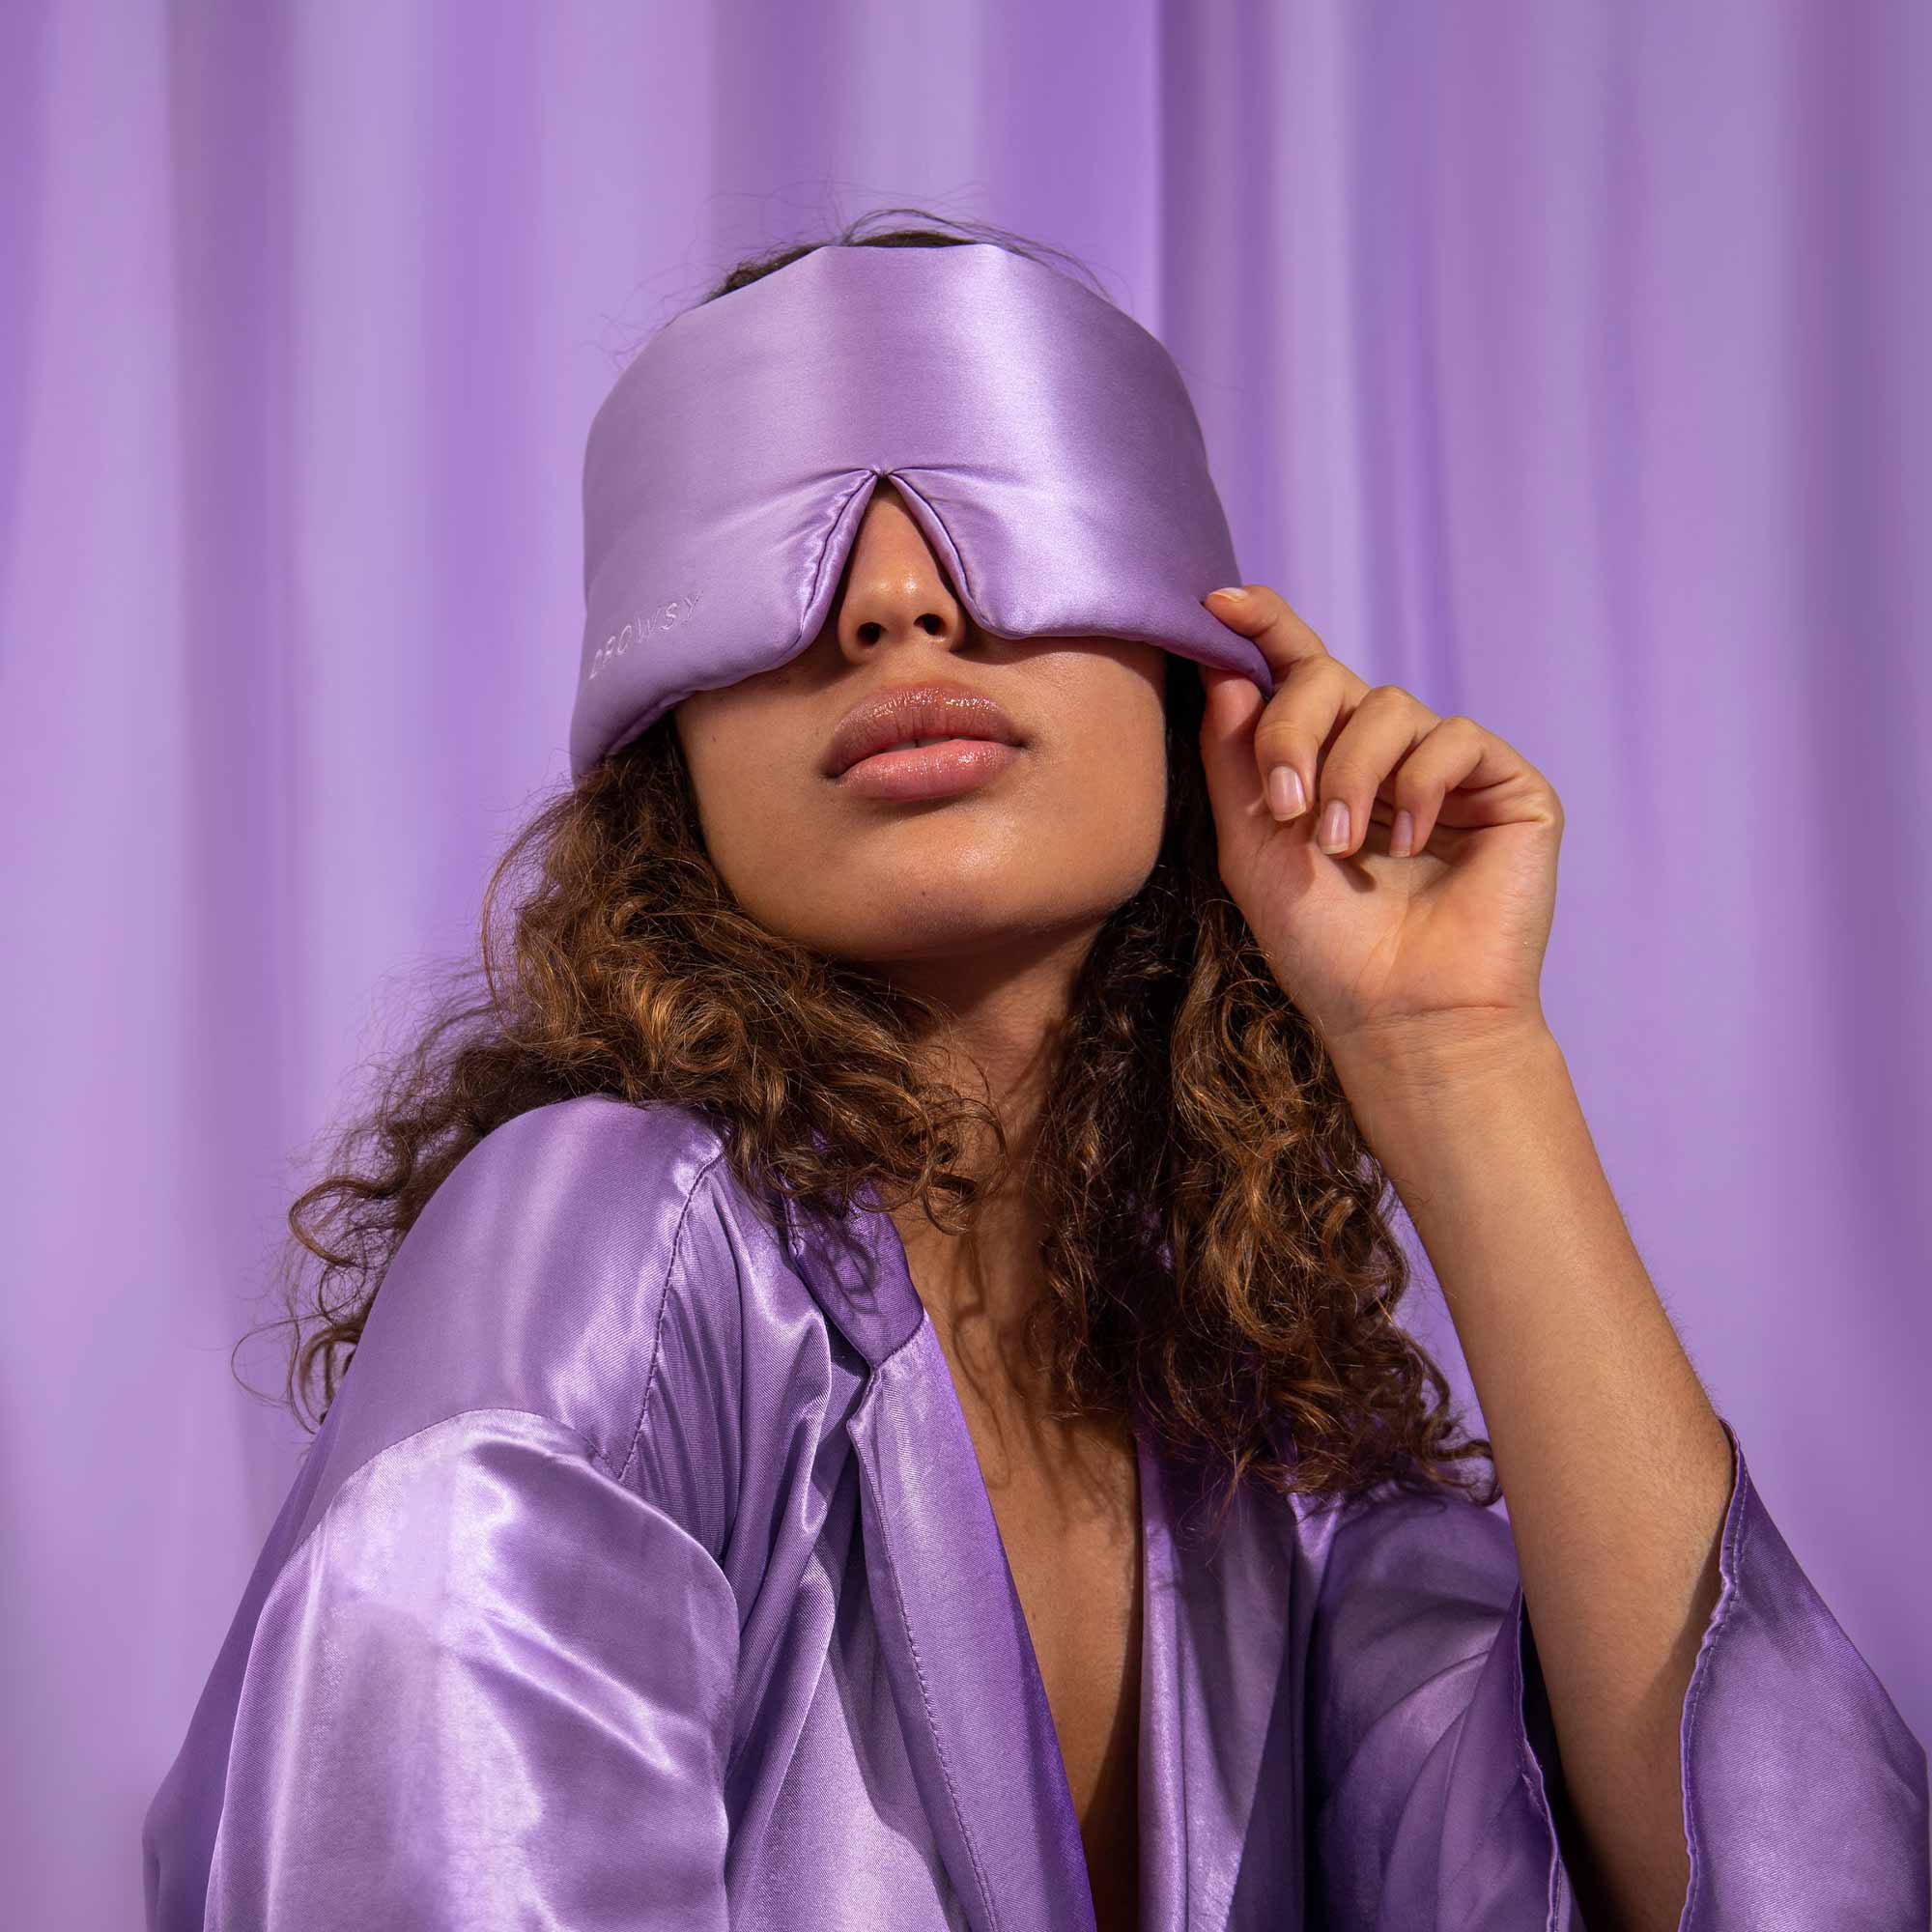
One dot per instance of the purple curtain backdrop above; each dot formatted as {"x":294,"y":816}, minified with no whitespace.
{"x":1564,"y":363}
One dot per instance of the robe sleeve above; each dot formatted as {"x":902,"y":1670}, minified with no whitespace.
{"x":484,"y":1670}
{"x":491,"y":1687}
{"x":1433,"y":1767}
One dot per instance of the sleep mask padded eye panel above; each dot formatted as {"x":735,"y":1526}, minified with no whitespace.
{"x":1041,"y":439}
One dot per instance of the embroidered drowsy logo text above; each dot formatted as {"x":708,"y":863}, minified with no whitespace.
{"x":663,"y":618}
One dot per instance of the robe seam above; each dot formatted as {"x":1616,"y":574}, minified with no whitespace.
{"x":663,"y":1305}
{"x":939,"y":1747}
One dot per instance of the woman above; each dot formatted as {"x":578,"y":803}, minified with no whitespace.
{"x":883,"y":1406}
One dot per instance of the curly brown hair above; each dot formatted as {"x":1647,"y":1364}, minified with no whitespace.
{"x":1217,"y":1249}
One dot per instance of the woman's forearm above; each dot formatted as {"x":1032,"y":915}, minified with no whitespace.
{"x":1612,"y":1460}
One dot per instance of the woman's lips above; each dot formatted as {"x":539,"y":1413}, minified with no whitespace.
{"x":929,"y":771}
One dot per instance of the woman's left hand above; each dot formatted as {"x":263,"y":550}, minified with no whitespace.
{"x":1382,"y":952}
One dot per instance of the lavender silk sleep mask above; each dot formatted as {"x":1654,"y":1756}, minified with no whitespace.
{"x":1042,"y":441}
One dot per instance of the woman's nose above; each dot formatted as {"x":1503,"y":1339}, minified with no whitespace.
{"x":895,"y":586}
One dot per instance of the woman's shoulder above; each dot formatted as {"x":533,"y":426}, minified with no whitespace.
{"x":540,"y":1275}
{"x":593,"y":1144}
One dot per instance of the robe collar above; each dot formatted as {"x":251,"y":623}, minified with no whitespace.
{"x":965,"y":1676}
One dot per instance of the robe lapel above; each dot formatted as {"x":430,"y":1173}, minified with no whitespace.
{"x":961,"y":1658}
{"x":1219,"y":1791}
{"x":951,"y":1631}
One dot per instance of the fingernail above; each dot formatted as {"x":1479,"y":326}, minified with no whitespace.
{"x":1285,"y":798}
{"x":1335,"y":826}
{"x":1403,"y":835}
{"x":1232,"y":590}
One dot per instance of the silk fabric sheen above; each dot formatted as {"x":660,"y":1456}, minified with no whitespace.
{"x":1042,"y":439}
{"x":643,"y":1576}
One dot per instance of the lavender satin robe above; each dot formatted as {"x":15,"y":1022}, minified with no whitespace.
{"x":643,"y":1576}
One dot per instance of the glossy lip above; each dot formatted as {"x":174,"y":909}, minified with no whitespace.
{"x":929,"y":771}
{"x":935,"y":708}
